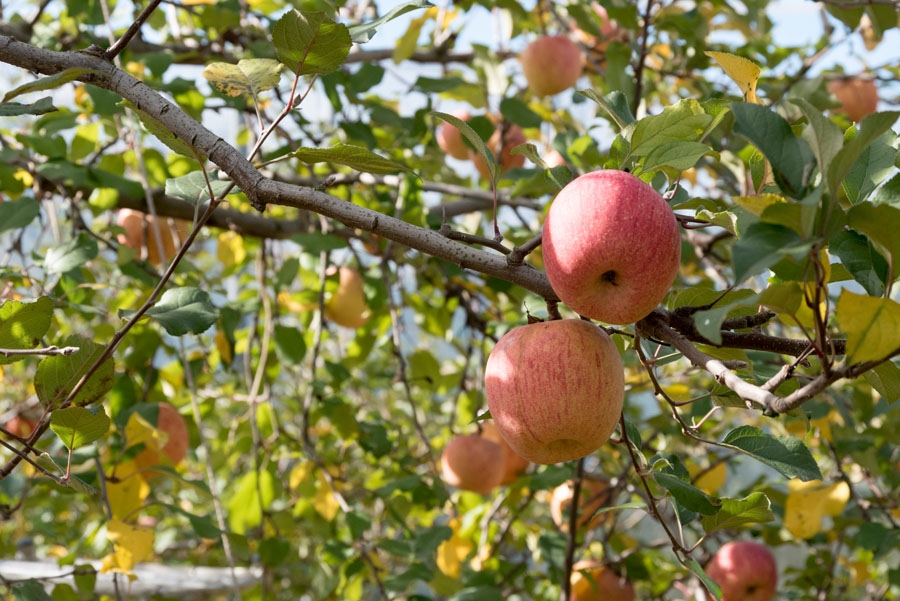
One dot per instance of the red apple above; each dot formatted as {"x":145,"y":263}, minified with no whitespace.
{"x":858,"y":97}
{"x":515,"y":464}
{"x":594,"y":495}
{"x":592,"y":581}
{"x":745,"y":570}
{"x":170,"y":422}
{"x":552,"y":64}
{"x":451,"y":140}
{"x":21,"y":426}
{"x":609,"y":30}
{"x":611,"y":246}
{"x":473,"y":463}
{"x":555,"y":389}
{"x":513,"y":137}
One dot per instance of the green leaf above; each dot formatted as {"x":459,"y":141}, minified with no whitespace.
{"x":16,"y":214}
{"x":734,"y":513}
{"x":23,"y":324}
{"x":518,"y":112}
{"x":57,"y":375}
{"x":885,"y":378}
{"x":683,"y":121}
{"x":181,"y":310}
{"x":763,"y":245}
{"x":787,"y":455}
{"x":615,"y":104}
{"x":310,"y":42}
{"x":168,"y":138}
{"x":79,"y":426}
{"x":475,"y":140}
{"x":363,"y":33}
{"x":250,"y":76}
{"x":887,"y":194}
{"x":192,"y":187}
{"x":48,"y":83}
{"x":42,"y":106}
{"x":710,"y":584}
{"x":870,"y":128}
{"x":822,"y":134}
{"x":354,"y":157}
{"x":880,"y":223}
{"x":688,"y":495}
{"x":69,"y":255}
{"x":274,"y":551}
{"x":874,"y":165}
{"x":677,"y":154}
{"x":249,"y":496}
{"x":289,"y":345}
{"x":317,"y":242}
{"x":30,"y":590}
{"x":791,"y":159}
{"x":872,"y":326}
{"x":859,"y":257}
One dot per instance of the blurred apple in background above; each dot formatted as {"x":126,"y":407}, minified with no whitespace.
{"x":474,"y":463}
{"x":858,"y":97}
{"x":515,"y":464}
{"x":551,"y":64}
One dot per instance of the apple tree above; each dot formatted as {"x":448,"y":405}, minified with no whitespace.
{"x":255,"y":255}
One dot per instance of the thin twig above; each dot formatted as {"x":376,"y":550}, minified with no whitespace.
{"x":48,"y":350}
{"x":639,"y":69}
{"x":114,"y":50}
{"x":573,"y":531}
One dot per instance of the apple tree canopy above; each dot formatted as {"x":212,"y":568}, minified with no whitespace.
{"x":243,"y":209}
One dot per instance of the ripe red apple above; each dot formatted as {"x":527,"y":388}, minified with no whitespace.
{"x":473,"y":463}
{"x":451,"y":140}
{"x":175,"y":447}
{"x":555,"y":389}
{"x":515,"y":464}
{"x":859,"y":97}
{"x":745,"y":570}
{"x":611,"y":246}
{"x":594,"y":495}
{"x":551,"y":64}
{"x":592,"y":581}
{"x":21,"y":426}
{"x":512,"y":138}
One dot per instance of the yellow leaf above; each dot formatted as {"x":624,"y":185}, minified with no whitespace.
{"x":859,"y":570}
{"x":231,"y":249}
{"x":224,"y":348}
{"x":127,"y":495}
{"x":824,"y":423}
{"x":324,"y":502}
{"x":712,"y":481}
{"x":406,"y":45}
{"x":140,"y":431}
{"x":453,"y":551}
{"x":130,"y":546}
{"x":804,"y":508}
{"x":808,"y":502}
{"x":872,"y":326}
{"x":300,"y":472}
{"x":250,"y":76}
{"x":743,"y":72}
{"x":837,"y":496}
{"x":757,"y":204}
